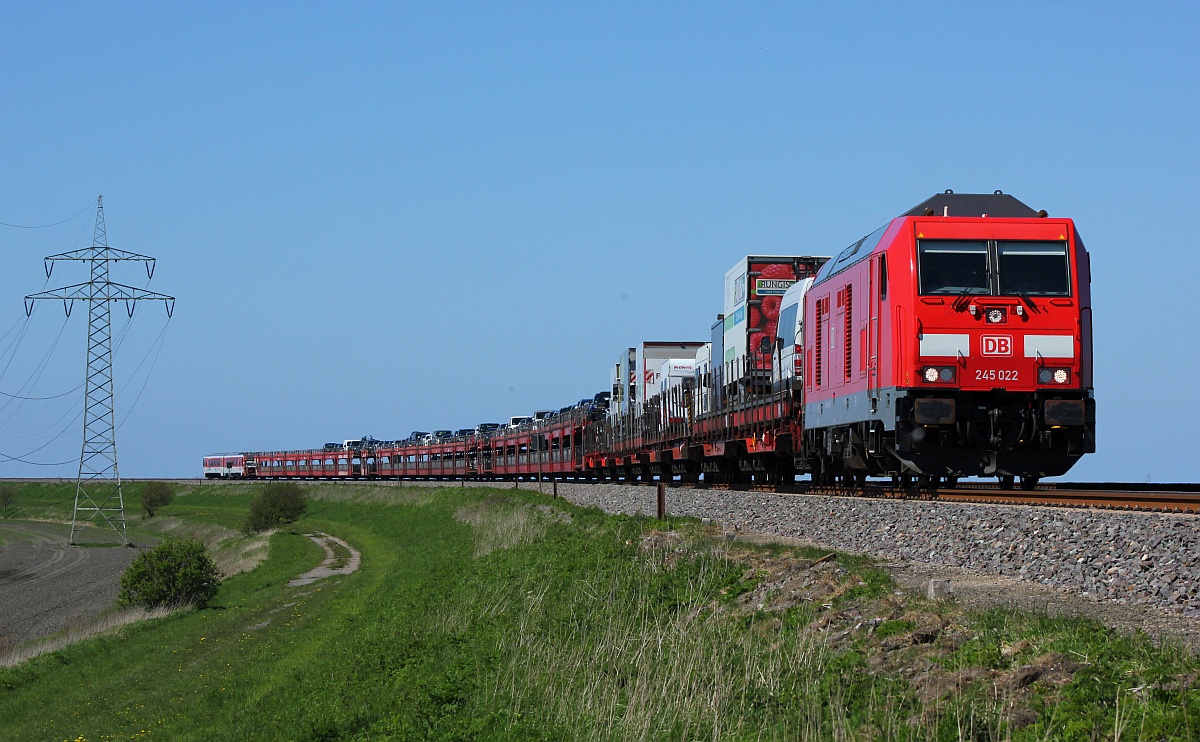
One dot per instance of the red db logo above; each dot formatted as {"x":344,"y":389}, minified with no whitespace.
{"x":996,"y":345}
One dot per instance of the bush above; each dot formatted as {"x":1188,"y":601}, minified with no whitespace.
{"x":156,"y":495}
{"x":280,"y":502}
{"x":174,"y":573}
{"x":8,"y":495}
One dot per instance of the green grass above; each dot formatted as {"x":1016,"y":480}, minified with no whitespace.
{"x":486,"y":614}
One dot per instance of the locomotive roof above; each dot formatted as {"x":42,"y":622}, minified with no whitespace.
{"x":973,"y":204}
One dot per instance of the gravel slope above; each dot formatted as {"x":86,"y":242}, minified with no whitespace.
{"x":1129,"y":558}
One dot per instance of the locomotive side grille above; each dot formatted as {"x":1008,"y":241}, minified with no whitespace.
{"x":849,"y":331}
{"x":819,"y":341}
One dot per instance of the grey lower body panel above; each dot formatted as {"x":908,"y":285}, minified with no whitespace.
{"x":994,"y":433}
{"x":878,"y":405}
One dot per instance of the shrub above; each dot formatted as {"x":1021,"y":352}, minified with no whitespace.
{"x":156,"y":495}
{"x":174,"y":573}
{"x":8,"y":495}
{"x":280,"y":502}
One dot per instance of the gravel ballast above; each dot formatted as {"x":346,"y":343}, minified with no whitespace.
{"x":1127,"y":557}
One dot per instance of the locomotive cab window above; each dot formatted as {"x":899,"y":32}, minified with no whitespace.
{"x":1033,"y":268}
{"x":953,"y":267}
{"x":1003,"y":268}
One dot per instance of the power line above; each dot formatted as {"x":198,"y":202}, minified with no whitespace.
{"x":42,"y":399}
{"x":65,"y":429}
{"x":38,"y":370}
{"x":154,"y":350}
{"x":61,"y":417}
{"x":46,"y":226}
{"x":159,"y":341}
{"x":36,"y":463}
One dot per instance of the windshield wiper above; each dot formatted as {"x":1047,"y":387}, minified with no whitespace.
{"x":1006,"y":286}
{"x":969,"y":291}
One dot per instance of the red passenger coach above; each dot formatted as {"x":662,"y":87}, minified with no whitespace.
{"x":225,"y":466}
{"x":953,"y":341}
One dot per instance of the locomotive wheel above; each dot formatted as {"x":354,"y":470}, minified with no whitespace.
{"x":951,"y":482}
{"x":1028,"y":483}
{"x":821,"y":476}
{"x":1006,"y":481}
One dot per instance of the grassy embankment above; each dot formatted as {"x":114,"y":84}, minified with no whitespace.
{"x":476,"y":615}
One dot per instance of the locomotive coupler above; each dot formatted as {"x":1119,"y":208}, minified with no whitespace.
{"x":994,"y":416}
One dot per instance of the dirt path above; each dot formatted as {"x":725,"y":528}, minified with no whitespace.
{"x":334,"y":564}
{"x":47,"y":585}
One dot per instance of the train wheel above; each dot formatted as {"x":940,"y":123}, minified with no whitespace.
{"x":951,"y":482}
{"x":1006,"y":481}
{"x":1028,"y":483}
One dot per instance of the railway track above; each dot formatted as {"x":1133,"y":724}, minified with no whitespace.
{"x":1181,"y":497}
{"x":1163,"y":498}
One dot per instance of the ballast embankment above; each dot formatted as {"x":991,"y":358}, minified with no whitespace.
{"x":1147,"y":558}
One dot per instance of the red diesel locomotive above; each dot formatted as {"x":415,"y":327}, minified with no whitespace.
{"x":953,"y":341}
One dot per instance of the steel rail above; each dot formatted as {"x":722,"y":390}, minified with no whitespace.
{"x":1139,"y":496}
{"x":1179,"y":498}
{"x":1114,"y":499}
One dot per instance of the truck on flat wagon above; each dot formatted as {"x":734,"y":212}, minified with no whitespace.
{"x":754,"y":289}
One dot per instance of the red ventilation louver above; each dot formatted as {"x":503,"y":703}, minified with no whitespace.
{"x":820,"y":349}
{"x":849,"y":330}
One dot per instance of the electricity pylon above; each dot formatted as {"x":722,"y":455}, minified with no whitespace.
{"x":98,"y":486}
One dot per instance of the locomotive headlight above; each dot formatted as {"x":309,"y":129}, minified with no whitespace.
{"x":1054,"y":375}
{"x":934,"y":374}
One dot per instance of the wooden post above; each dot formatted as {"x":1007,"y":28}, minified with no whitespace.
{"x":555,"y":489}
{"x":662,"y":500}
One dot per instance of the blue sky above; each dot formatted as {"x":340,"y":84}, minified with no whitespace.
{"x":386,"y":217}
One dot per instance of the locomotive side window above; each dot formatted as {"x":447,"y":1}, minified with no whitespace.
{"x":1034,"y":268}
{"x":953,"y":267}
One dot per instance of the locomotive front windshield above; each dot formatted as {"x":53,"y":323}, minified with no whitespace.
{"x":953,"y":267}
{"x":1033,"y":268}
{"x":991,"y":267}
